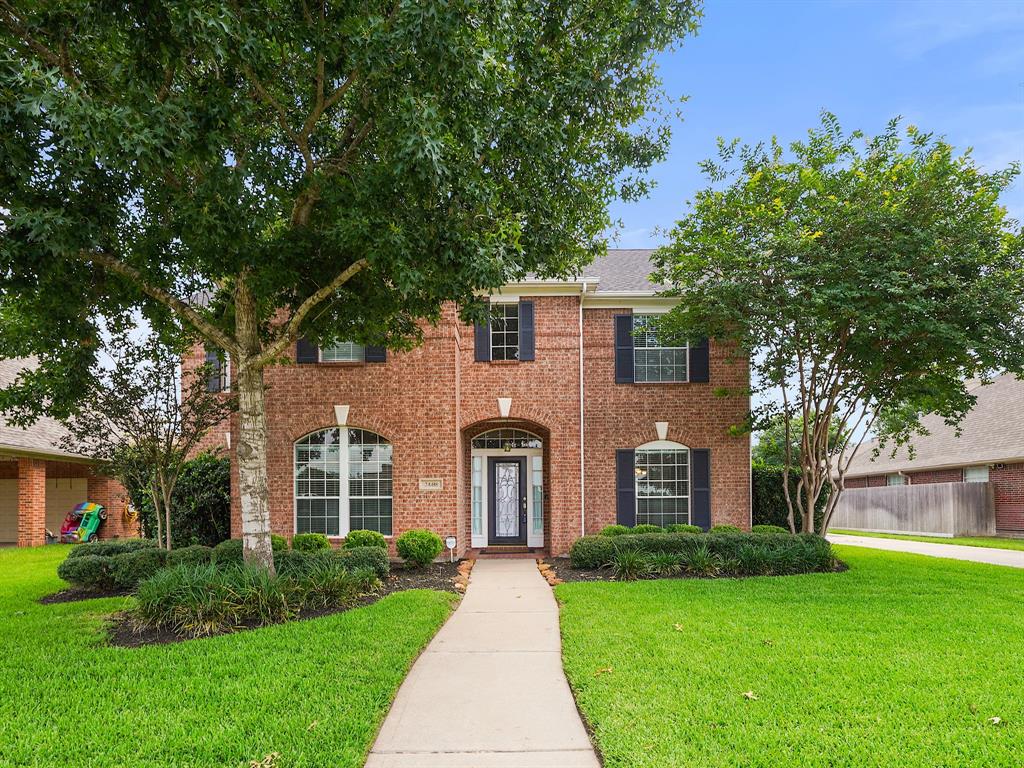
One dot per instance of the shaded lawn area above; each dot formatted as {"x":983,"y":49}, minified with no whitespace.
{"x":989,"y":542}
{"x":899,"y":661}
{"x":314,"y":691}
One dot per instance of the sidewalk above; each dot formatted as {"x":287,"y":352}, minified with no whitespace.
{"x":489,"y":691}
{"x":1010,"y":557}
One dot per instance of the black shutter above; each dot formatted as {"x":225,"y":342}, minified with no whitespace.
{"x":700,"y":513}
{"x":526,"y":343}
{"x":700,"y":364}
{"x":482,"y":339}
{"x":375,"y":354}
{"x":213,"y":378}
{"x":625,"y":487}
{"x":306,"y":352}
{"x":623,"y":349}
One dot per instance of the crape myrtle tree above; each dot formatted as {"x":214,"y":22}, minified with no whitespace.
{"x":142,"y":420}
{"x":867,"y":277}
{"x":259,"y":172}
{"x":770,"y":449}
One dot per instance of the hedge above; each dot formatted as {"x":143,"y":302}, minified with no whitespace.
{"x":768,"y":501}
{"x":362,"y":538}
{"x":110,"y":547}
{"x":309,"y":542}
{"x":89,"y":571}
{"x":298,"y":562}
{"x":739,"y":553}
{"x":195,"y":555}
{"x":128,"y":569}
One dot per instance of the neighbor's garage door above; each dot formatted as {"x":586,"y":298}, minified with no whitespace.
{"x":8,"y":511}
{"x":62,"y":496}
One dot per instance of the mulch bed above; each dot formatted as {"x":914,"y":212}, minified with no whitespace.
{"x":75,"y":594}
{"x":123,"y":632}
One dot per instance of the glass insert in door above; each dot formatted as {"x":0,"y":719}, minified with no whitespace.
{"x":506,"y":508}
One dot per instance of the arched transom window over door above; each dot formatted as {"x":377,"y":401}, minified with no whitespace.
{"x":343,"y":482}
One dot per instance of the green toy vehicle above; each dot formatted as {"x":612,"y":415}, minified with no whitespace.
{"x":82,"y":523}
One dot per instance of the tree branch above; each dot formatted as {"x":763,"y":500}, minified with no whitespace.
{"x":186,"y":312}
{"x":291,"y":328}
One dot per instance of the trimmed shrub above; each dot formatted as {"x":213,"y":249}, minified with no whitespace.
{"x":296,"y":563}
{"x":110,"y":547}
{"x":614,"y":530}
{"x":769,"y":529}
{"x":724,"y":529}
{"x":630,"y":564}
{"x":278,"y":543}
{"x":419,"y":546}
{"x":360,"y":558}
{"x":130,"y":568}
{"x":310,"y":542}
{"x":89,"y":571}
{"x":365,"y":539}
{"x":591,"y":552}
{"x":683,"y":528}
{"x":647,"y":529}
{"x":228,"y":552}
{"x":194,"y":555}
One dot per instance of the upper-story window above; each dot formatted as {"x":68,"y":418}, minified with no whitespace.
{"x":505,"y":331}
{"x":653,"y":361}
{"x":342,"y":352}
{"x":218,"y":372}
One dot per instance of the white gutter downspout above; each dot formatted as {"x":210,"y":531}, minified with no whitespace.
{"x":583,"y":477}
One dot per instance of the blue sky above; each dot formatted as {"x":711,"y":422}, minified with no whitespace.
{"x":761,"y":68}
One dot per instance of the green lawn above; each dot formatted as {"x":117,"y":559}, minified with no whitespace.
{"x":899,"y":661}
{"x":313,"y":691}
{"x":992,"y":542}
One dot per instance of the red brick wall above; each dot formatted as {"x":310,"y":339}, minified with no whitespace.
{"x":216,"y":438}
{"x":430,"y":401}
{"x":31,"y":502}
{"x":112,"y":495}
{"x":955,"y":475}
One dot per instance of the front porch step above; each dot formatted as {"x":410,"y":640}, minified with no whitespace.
{"x":506,"y":551}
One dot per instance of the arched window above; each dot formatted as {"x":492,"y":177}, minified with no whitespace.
{"x":507,"y":439}
{"x":326,"y":504}
{"x":662,"y":483}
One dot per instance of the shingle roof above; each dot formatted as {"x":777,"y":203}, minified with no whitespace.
{"x":992,"y":432}
{"x":43,"y":437}
{"x":623,"y":269}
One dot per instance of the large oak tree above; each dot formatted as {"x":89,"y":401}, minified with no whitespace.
{"x":253,"y":172}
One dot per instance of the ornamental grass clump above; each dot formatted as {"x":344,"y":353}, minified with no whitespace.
{"x":630,"y":564}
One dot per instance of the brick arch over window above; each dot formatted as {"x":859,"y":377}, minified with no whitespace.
{"x":522,"y":412}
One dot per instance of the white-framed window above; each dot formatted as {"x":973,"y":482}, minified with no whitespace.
{"x":895,"y":478}
{"x":977,"y":474}
{"x":343,"y":482}
{"x":662,"y":486}
{"x":342,"y":352}
{"x":505,"y":331}
{"x":653,"y":362}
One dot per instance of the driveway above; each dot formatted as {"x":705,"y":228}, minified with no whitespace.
{"x":489,"y":691}
{"x":1010,"y":557}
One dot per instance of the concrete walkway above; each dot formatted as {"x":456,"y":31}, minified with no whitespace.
{"x":1011,"y":557}
{"x":489,"y":691}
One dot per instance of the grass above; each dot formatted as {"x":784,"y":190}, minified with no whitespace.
{"x":991,"y":542}
{"x":900,"y":661}
{"x":313,"y":691}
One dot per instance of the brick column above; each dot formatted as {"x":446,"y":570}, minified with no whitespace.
{"x":31,"y":502}
{"x":112,"y":495}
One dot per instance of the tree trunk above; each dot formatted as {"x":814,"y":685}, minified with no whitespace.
{"x":253,"y":488}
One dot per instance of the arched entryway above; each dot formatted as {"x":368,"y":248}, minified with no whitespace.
{"x":507,"y":478}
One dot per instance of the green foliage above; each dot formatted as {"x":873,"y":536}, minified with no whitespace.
{"x":330,"y":584}
{"x":310,"y":542}
{"x":591,"y":552}
{"x":647,"y":529}
{"x":228,"y":552}
{"x":614,"y":530}
{"x":109,"y":547}
{"x":130,"y":568}
{"x":88,"y":571}
{"x":365,"y":539}
{"x":863,"y":275}
{"x":702,"y":561}
{"x":200,"y":504}
{"x":630,"y":564}
{"x":683,"y":528}
{"x":768,"y":501}
{"x":665,"y":564}
{"x":278,"y":543}
{"x":724,"y":529}
{"x":770,"y":448}
{"x":361,"y":558}
{"x":419,"y":546}
{"x":194,"y":555}
{"x":769,"y":529}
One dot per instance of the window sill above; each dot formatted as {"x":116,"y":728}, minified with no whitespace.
{"x":506,"y":362}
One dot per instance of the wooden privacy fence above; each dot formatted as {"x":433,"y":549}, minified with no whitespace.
{"x":946,"y":509}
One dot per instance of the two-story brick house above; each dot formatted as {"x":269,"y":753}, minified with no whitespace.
{"x":558,"y":417}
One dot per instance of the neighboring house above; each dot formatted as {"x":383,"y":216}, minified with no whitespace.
{"x":40,"y":481}
{"x":990,"y":448}
{"x":477,"y":433}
